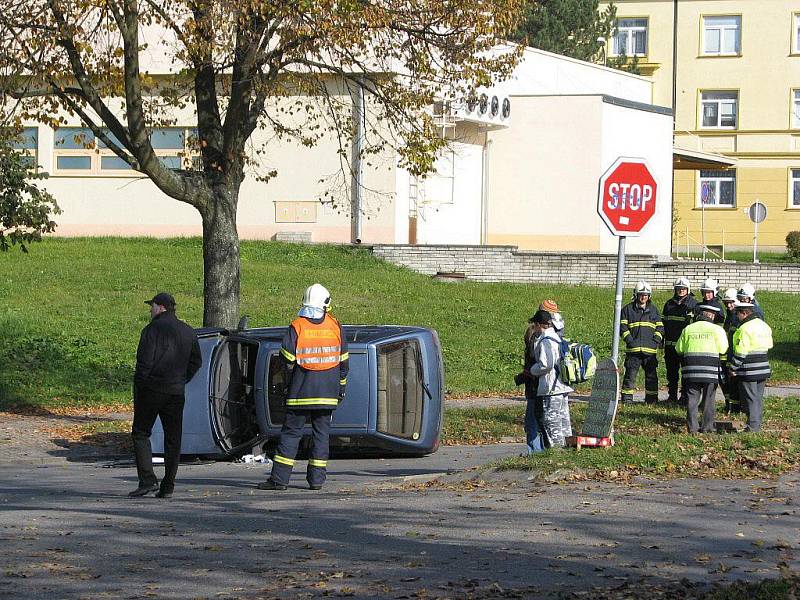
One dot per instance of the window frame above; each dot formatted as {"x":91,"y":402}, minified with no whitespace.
{"x":701,"y":105}
{"x":29,"y":151}
{"x":616,"y":30}
{"x":718,"y":179}
{"x":704,"y":53}
{"x":794,"y":35}
{"x":96,"y":151}
{"x":794,"y":108}
{"x":790,"y":199}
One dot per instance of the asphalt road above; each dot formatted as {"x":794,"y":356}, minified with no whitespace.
{"x":377,"y":531}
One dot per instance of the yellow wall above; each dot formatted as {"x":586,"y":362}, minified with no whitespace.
{"x":764,"y":143}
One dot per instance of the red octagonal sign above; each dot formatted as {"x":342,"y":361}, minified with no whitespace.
{"x":627,"y":196}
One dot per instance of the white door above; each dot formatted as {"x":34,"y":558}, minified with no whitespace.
{"x":448,"y":201}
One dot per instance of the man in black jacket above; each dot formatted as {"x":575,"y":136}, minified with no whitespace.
{"x":677,"y":314}
{"x":167,"y":358}
{"x":641,"y":329}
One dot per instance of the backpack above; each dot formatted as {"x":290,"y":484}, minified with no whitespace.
{"x":578,"y":362}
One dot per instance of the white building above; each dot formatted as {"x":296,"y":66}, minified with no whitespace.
{"x":528,"y":178}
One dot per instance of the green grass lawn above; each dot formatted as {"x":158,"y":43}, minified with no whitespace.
{"x":650,"y":440}
{"x":71,"y":312}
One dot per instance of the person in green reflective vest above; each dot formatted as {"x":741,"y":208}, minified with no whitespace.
{"x":701,"y":346}
{"x":748,"y":364}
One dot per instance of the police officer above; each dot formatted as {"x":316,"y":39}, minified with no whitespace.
{"x":316,"y":346}
{"x":749,"y":365}
{"x":167,"y":358}
{"x":747,"y":294}
{"x":701,"y":345}
{"x":642,"y":330}
{"x":708,"y":295}
{"x":678,"y":313}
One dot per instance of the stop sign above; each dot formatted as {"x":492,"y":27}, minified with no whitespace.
{"x":627,"y":197}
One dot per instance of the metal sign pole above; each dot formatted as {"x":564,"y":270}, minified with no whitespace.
{"x":755,"y":229}
{"x":618,"y":300}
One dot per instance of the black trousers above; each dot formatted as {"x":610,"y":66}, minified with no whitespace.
{"x":648,"y":362}
{"x":147,"y":405}
{"x":697,"y":393}
{"x":672,"y":362}
{"x":292,"y":433}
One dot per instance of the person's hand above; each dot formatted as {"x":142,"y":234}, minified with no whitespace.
{"x":341,"y":393}
{"x":519,"y":378}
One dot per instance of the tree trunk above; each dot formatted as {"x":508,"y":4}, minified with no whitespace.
{"x":221,"y":259}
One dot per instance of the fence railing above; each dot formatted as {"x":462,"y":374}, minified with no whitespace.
{"x":705,"y":243}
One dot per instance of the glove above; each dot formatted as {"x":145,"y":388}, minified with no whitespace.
{"x":341,"y":393}
{"x":519,"y":378}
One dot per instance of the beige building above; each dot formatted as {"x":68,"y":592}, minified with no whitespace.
{"x":522,"y":169}
{"x":731,"y":71}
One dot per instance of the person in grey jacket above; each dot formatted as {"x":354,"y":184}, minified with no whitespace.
{"x":551,"y":390}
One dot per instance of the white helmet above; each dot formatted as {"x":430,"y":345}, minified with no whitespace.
{"x":642,"y":287}
{"x":709,"y":285}
{"x":729,"y":295}
{"x":681,"y":282}
{"x":747,"y":290}
{"x":317,"y":296}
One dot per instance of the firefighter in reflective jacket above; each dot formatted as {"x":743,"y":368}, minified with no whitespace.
{"x":748,"y":363}
{"x":641,"y":329}
{"x":677,"y":314}
{"x":315,"y":344}
{"x":702,"y":346}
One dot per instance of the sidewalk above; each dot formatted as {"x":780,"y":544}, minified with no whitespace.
{"x":54,"y":438}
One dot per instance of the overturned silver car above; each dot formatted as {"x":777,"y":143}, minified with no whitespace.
{"x":393,"y":402}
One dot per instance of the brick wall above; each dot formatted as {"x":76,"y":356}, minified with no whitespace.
{"x":506,"y":263}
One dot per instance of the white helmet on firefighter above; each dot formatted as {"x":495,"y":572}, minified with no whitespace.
{"x":642,"y":287}
{"x":681,"y":282}
{"x":746,"y":291}
{"x":729,"y":295}
{"x":316,"y":301}
{"x":709,"y":285}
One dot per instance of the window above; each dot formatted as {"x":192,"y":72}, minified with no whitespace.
{"x":27,"y":144}
{"x":717,"y":188}
{"x":722,"y":35}
{"x":796,"y":33}
{"x":719,"y":109}
{"x":78,"y":150}
{"x":796,"y":109}
{"x":794,"y":198}
{"x":630,"y":37}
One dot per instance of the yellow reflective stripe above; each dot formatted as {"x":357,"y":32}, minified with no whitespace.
{"x":644,"y":324}
{"x":287,"y":355}
{"x":309,"y":401}
{"x":345,"y":356}
{"x":624,"y":321}
{"x":671,"y":318}
{"x":343,"y":381}
{"x":316,"y":462}
{"x":283,"y":460}
{"x":643,"y":350}
{"x":628,"y":391}
{"x":626,"y":333}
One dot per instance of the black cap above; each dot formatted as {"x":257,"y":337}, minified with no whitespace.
{"x":163,"y":298}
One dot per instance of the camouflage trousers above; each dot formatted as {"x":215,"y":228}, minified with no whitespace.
{"x":555,"y":420}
